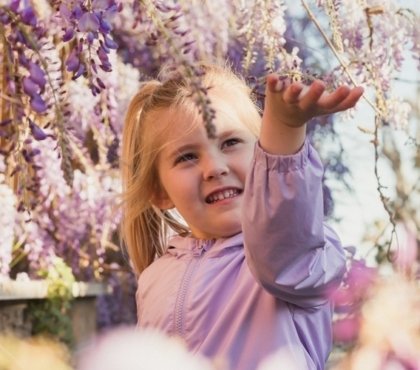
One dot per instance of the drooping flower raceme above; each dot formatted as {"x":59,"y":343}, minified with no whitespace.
{"x":7,"y":222}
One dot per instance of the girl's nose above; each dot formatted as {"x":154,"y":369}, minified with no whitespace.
{"x":214,"y":168}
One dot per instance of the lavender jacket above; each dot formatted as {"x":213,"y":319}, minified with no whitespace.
{"x":244,"y":297}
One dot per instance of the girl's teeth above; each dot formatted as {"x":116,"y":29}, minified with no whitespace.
{"x":223,"y":195}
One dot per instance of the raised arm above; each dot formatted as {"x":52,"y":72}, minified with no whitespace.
{"x":289,"y":249}
{"x":288,"y":107}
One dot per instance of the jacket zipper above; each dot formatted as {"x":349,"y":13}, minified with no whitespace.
{"x":182,"y":293}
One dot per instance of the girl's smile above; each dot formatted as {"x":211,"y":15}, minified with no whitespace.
{"x":223,"y":195}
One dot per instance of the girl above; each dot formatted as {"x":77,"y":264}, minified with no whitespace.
{"x":249,"y":261}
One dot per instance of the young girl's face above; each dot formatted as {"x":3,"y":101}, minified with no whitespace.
{"x":202,"y":177}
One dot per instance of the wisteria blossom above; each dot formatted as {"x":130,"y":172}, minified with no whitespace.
{"x":7,"y":221}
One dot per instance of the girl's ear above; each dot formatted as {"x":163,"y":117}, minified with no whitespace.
{"x":162,"y":200}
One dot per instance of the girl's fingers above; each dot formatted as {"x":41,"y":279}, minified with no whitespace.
{"x":330,"y":101}
{"x":349,"y":101}
{"x":292,"y":93}
{"x":310,"y":97}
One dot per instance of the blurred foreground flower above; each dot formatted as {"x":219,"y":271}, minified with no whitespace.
{"x":349,"y":298}
{"x":133,"y":349}
{"x":34,"y":354}
{"x":389,"y":336}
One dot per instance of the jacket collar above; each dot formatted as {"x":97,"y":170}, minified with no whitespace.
{"x":179,"y":245}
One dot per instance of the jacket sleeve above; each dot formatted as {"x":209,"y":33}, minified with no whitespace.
{"x":289,"y":250}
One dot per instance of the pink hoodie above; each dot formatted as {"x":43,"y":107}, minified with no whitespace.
{"x":244,"y":297}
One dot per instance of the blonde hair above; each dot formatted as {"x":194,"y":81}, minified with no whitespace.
{"x":145,"y":228}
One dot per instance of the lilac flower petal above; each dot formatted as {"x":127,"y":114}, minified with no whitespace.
{"x":100,"y":83}
{"x":37,"y":74}
{"x":72,"y":62}
{"x":77,"y":12}
{"x":80,"y":71}
{"x":4,"y":18}
{"x":89,"y":22}
{"x":110,"y":43}
{"x":5,"y":122}
{"x":102,"y":54}
{"x":106,"y":67}
{"x":105,"y":26}
{"x":100,"y":4}
{"x":68,"y":34}
{"x":37,"y":132}
{"x":14,"y":5}
{"x":23,"y":60}
{"x":90,"y":37}
{"x":35,"y":152}
{"x":30,"y":87}
{"x":28,"y":16}
{"x":20,"y":37}
{"x":65,"y":12}
{"x":38,"y":104}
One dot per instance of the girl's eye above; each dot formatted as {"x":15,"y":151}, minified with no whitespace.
{"x":230,"y":142}
{"x":185,"y":158}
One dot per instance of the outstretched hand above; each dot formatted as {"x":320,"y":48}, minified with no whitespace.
{"x":295,"y":104}
{"x":289,"y":106}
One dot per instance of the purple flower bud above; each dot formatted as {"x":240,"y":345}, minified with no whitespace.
{"x":4,"y":18}
{"x":72,"y":62}
{"x":29,"y":87}
{"x":100,"y":83}
{"x":79,"y":72}
{"x":38,"y":104}
{"x":37,"y":132}
{"x":37,"y":74}
{"x":35,"y":152}
{"x":106,"y":67}
{"x":89,"y":22}
{"x":103,"y":56}
{"x":110,"y":43}
{"x":77,"y":12}
{"x":28,"y":16}
{"x":68,"y":34}
{"x":20,"y":37}
{"x":95,"y":90}
{"x":14,"y":5}
{"x":90,"y":37}
{"x":105,"y":26}
{"x":26,"y":156}
{"x":100,"y":4}
{"x":5,"y":122}
{"x":93,"y":65}
{"x":23,"y":60}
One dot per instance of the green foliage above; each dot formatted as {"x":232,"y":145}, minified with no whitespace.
{"x":51,"y":317}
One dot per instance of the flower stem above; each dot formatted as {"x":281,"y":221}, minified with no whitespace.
{"x":337,"y":54}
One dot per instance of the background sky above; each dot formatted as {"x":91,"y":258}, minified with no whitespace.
{"x":358,"y":211}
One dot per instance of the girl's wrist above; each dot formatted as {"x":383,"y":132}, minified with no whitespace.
{"x":281,"y":139}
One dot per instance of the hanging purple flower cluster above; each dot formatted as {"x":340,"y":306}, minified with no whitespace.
{"x":87,"y":27}
{"x":25,"y":71}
